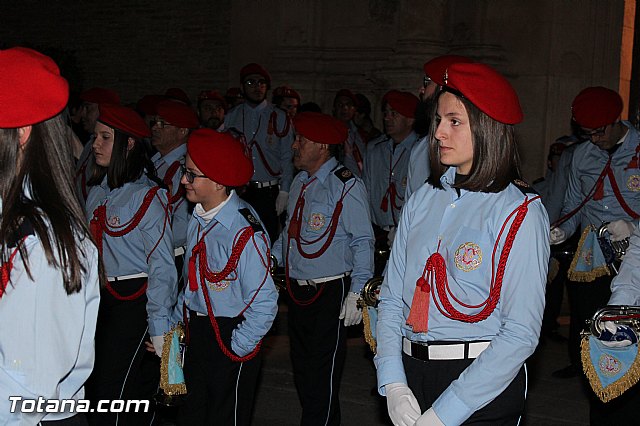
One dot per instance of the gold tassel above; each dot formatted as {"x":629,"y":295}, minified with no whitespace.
{"x":600,"y":271}
{"x":616,"y":388}
{"x":368,"y":336}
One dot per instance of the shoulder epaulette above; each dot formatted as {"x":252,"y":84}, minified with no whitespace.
{"x":344,"y":174}
{"x":524,"y":187}
{"x":253,"y":221}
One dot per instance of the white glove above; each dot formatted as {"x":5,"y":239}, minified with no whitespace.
{"x":403,"y":407}
{"x":391,"y":236}
{"x":557,"y":236}
{"x":281,"y":202}
{"x":620,"y":229}
{"x":158,"y":343}
{"x":429,"y":418}
{"x":350,"y":312}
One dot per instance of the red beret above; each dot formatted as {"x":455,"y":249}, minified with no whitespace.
{"x":347,"y":94}
{"x":212,"y":95}
{"x":220,"y":157}
{"x":99,"y":95}
{"x":31,"y":88}
{"x":148,"y":104}
{"x":254,"y":68}
{"x":595,"y":107}
{"x":177,"y":114}
{"x":320,"y":128}
{"x":489,"y":91}
{"x":178,"y":95}
{"x":124,"y":119}
{"x":403,"y":102}
{"x":435,"y":68}
{"x":286,"y":92}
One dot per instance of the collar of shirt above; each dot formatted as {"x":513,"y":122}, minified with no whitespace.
{"x":406,"y":143}
{"x":226,"y":214}
{"x":178,"y":153}
{"x":255,"y":109}
{"x":322,"y":173}
{"x":210,"y":214}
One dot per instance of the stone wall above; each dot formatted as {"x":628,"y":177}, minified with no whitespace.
{"x":548,"y":49}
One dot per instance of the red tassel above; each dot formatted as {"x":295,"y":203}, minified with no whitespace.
{"x":96,"y":226}
{"x":193,"y":281}
{"x":385,"y":204}
{"x":419,"y":314}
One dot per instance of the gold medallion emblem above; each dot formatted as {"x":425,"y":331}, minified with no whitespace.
{"x":468,"y":257}
{"x":633,"y":183}
{"x":317,"y":221}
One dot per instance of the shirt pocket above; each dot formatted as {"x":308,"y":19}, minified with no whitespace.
{"x":318,"y":219}
{"x":469,"y":264}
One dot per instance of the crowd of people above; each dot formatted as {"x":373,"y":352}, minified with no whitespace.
{"x":119,"y":223}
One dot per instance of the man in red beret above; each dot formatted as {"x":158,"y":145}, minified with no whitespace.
{"x":267,"y":133}
{"x":327,"y":250}
{"x":211,"y":109}
{"x":385,"y":167}
{"x":432,"y":80}
{"x":354,"y":148}
{"x":287,"y":99}
{"x":169,"y":133}
{"x":91,"y":99}
{"x":604,"y":187}
{"x":230,"y":298}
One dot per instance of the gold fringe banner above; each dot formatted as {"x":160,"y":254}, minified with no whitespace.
{"x":616,"y":388}
{"x":368,"y":336}
{"x":170,"y":388}
{"x":580,"y":276}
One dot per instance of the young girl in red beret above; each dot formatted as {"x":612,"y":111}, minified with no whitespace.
{"x":462,"y":302}
{"x":129,"y":219}
{"x":49,"y":281}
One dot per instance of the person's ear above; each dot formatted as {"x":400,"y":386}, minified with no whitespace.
{"x":23,"y":135}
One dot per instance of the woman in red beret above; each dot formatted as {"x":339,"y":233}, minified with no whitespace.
{"x":49,"y":281}
{"x":129,"y":219}
{"x":462,"y":302}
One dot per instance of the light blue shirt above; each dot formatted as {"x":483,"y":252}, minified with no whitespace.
{"x":47,"y":339}
{"x":84,"y":168}
{"x":354,"y":150}
{"x":625,"y":287}
{"x":352,"y":247}
{"x":152,"y":238}
{"x":418,"y":170}
{"x":556,"y":184}
{"x":586,"y":165}
{"x":254,"y":124}
{"x":386,"y":164}
{"x":457,"y":224}
{"x":179,"y":209}
{"x":251,"y":283}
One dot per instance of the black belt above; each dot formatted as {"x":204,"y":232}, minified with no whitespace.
{"x":440,"y":351}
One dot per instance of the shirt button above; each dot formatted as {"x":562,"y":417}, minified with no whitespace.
{"x":606,"y":207}
{"x":452,"y":205}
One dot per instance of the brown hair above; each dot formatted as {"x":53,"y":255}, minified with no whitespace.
{"x":495,"y":154}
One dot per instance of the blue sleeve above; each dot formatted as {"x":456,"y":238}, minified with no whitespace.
{"x":625,"y":287}
{"x":572,"y":198}
{"x":162,"y":282}
{"x":357,"y":222}
{"x":521,"y":307}
{"x":286,"y":159}
{"x":258,"y":292}
{"x":388,"y":359}
{"x":557,"y":187}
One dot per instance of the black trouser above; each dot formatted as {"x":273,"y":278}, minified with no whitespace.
{"x":123,"y":369}
{"x":429,"y":379}
{"x":318,"y":350}
{"x":563,"y":254}
{"x":585,"y":298}
{"x":220,"y":391}
{"x":263,"y":200}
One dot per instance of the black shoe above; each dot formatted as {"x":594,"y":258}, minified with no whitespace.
{"x":567,"y":372}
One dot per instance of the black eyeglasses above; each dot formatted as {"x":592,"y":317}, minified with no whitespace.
{"x":253,"y":82}
{"x":159,"y":122}
{"x":596,"y":132}
{"x":425,"y":81}
{"x":189,"y":174}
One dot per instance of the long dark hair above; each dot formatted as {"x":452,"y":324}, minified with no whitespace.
{"x":51,"y":207}
{"x":125,"y":165}
{"x":495,"y":154}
